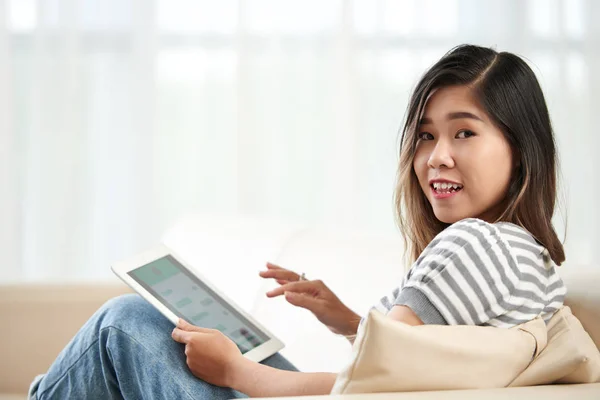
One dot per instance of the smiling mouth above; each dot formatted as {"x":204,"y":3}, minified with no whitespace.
{"x":444,"y":188}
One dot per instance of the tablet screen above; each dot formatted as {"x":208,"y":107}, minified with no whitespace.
{"x":188,"y":298}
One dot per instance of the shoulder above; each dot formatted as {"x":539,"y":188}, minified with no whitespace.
{"x":472,"y":240}
{"x":479,"y":273}
{"x":485,"y":233}
{"x":471,"y":230}
{"x":518,"y":237}
{"x":466,"y":273}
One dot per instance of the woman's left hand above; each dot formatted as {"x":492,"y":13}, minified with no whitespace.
{"x":211,"y":356}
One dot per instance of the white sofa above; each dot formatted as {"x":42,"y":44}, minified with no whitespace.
{"x":359,"y":267}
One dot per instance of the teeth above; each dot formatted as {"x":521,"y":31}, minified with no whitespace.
{"x":446,"y":186}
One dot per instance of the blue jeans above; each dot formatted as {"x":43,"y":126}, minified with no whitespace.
{"x":125,"y":350}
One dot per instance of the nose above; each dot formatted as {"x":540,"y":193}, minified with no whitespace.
{"x":441,"y":156}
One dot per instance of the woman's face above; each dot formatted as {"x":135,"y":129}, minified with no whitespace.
{"x":463,"y":162}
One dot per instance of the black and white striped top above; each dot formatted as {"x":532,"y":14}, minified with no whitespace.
{"x":477,"y":273}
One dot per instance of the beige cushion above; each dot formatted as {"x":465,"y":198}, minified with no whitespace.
{"x":583,"y":296}
{"x":549,"y":392}
{"x":37,"y":323}
{"x":569,"y":357}
{"x":390,"y":356}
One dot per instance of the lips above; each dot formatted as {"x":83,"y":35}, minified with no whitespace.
{"x":446,"y":187}
{"x":442,"y":188}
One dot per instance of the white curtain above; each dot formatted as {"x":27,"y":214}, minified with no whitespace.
{"x":118,"y":116}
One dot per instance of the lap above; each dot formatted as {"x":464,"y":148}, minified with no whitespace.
{"x":137,"y":340}
{"x":133,"y":315}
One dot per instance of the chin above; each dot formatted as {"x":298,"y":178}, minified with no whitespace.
{"x":448,"y":217}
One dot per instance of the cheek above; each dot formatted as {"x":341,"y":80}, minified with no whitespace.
{"x":491,"y":168}
{"x":420,"y":166}
{"x":503,"y":160}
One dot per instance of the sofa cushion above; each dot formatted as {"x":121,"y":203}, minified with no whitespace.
{"x":583,"y":296}
{"x":390,"y":356}
{"x":569,"y":357}
{"x":38,"y":321}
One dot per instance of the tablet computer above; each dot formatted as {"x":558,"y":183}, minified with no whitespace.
{"x":170,"y":285}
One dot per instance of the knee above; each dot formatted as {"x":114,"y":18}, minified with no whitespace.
{"x":124,"y":305}
{"x":127,"y":310}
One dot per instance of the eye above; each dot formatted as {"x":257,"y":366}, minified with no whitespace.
{"x":425,"y":136}
{"x":465,"y":134}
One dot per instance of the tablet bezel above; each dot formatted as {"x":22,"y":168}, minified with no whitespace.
{"x":122,"y":269}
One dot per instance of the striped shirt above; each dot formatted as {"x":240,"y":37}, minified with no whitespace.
{"x":477,"y":273}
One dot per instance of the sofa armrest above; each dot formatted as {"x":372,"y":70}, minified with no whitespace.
{"x":547,"y":392}
{"x":38,"y":320}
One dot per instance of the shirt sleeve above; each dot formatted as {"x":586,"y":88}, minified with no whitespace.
{"x":465,"y":276}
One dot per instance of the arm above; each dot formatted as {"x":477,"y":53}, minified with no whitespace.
{"x":353,"y":323}
{"x":316,"y":297}
{"x":216,"y":359}
{"x":256,"y":379}
{"x":405,"y":314}
{"x":260,"y":380}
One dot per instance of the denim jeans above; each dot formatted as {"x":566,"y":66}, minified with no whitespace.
{"x":125,"y":350}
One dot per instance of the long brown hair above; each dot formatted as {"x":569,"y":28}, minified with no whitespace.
{"x":509,"y":92}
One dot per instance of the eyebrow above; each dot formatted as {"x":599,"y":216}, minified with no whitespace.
{"x":451,"y":116}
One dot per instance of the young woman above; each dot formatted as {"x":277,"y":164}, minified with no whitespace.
{"x":475,"y":197}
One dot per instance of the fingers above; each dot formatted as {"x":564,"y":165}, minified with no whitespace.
{"x":186,"y":326}
{"x":181,"y":336}
{"x":184,"y":331}
{"x":297,"y":287}
{"x":183,"y":324}
{"x":300,"y":300}
{"x":280,"y":274}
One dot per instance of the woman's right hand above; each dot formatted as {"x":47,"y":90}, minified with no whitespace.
{"x":314,"y":296}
